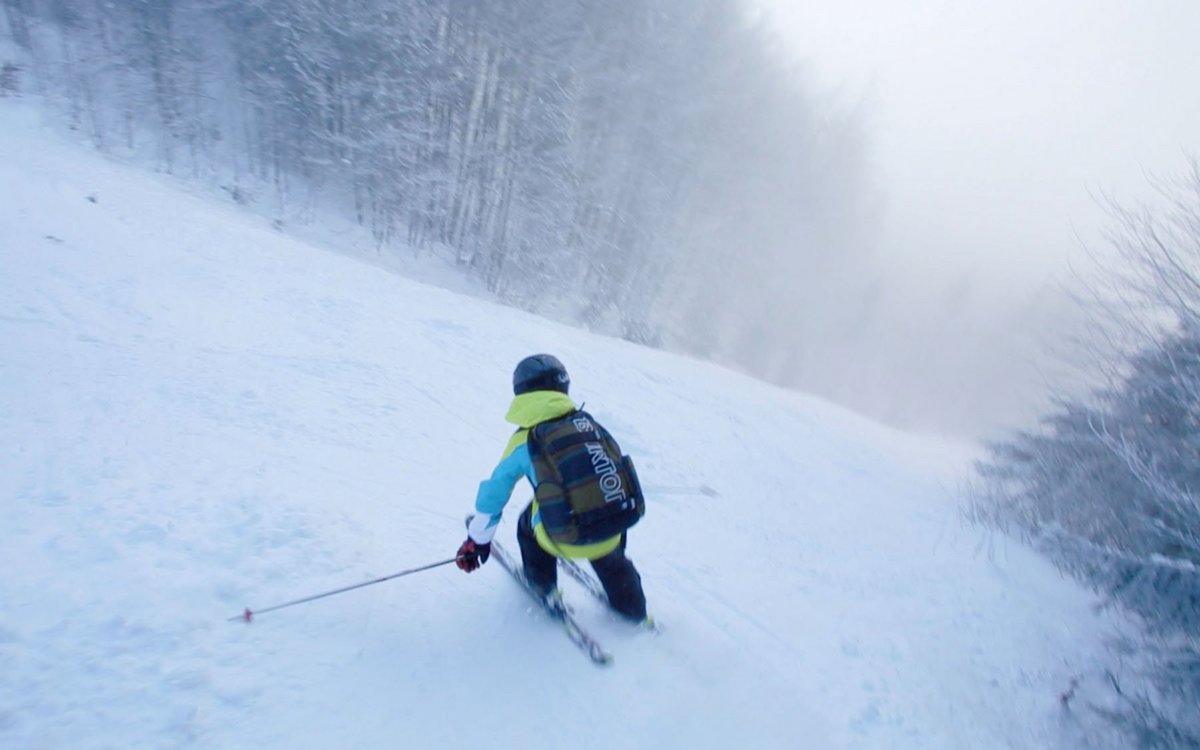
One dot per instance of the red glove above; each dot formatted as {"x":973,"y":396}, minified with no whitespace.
{"x":472,"y":554}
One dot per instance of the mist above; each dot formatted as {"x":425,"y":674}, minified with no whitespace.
{"x":872,"y":204}
{"x":994,"y":132}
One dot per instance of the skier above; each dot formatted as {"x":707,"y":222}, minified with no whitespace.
{"x":540,"y":385}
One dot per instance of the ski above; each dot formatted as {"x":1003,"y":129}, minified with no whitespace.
{"x":556,"y":609}
{"x":593,"y":587}
{"x":576,"y":571}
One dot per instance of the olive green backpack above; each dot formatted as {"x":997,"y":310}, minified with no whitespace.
{"x":587,"y":491}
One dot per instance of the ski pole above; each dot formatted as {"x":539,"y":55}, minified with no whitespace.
{"x":249,"y":614}
{"x":702,"y":489}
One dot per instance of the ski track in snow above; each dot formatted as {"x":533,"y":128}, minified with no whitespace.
{"x":203,"y":414}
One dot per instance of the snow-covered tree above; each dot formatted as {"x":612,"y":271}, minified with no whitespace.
{"x":1109,"y":486}
{"x":648,"y":168}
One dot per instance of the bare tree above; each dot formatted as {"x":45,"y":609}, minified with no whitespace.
{"x":1109,"y":487}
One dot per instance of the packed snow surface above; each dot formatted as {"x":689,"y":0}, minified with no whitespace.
{"x":200,"y":413}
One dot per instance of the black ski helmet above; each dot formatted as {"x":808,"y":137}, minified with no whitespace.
{"x":540,"y":372}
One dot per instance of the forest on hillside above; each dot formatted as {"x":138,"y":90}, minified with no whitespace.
{"x":649,"y":169}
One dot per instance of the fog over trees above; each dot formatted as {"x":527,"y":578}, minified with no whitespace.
{"x":649,"y":169}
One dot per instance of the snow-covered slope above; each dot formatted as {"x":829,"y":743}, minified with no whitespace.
{"x":199,"y":413}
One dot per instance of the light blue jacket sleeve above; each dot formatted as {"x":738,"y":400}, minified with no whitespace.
{"x":495,"y":492}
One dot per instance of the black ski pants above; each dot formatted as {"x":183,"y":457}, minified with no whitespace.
{"x":617,"y":575}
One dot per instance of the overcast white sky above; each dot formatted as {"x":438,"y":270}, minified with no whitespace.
{"x":993,"y":124}
{"x":993,"y":120}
